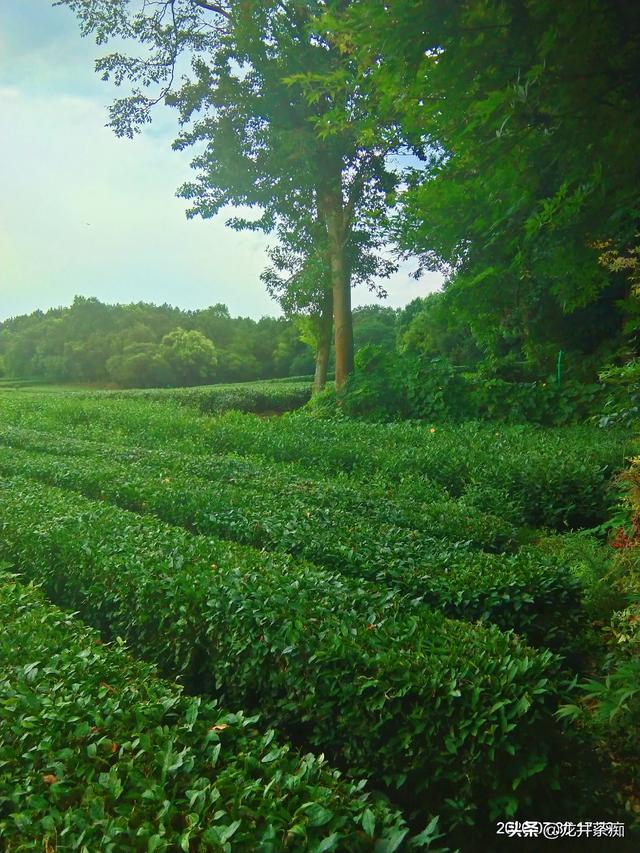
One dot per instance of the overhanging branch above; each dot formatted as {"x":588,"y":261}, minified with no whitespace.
{"x":212,"y":7}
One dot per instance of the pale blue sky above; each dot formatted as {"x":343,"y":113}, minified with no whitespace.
{"x":82,"y":212}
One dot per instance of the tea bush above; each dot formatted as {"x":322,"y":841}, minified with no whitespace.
{"x":589,"y":559}
{"x":538,"y":598}
{"x":528,"y":475}
{"x":97,"y":752}
{"x":264,"y":505}
{"x":449,"y":717}
{"x":609,"y":704}
{"x":269,"y":396}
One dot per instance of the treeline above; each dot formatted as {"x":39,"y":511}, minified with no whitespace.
{"x":143,"y":345}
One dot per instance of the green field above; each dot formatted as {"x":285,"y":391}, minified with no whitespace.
{"x":269,"y":397}
{"x":412,"y":602}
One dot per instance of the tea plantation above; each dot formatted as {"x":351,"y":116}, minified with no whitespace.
{"x":232,"y":633}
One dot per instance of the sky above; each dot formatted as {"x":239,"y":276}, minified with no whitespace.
{"x":83,"y":212}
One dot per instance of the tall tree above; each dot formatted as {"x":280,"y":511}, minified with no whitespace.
{"x":299,"y":280}
{"x":300,"y":275}
{"x":262,"y":141}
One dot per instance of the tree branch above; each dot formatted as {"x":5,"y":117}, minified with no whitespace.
{"x":212,"y":7}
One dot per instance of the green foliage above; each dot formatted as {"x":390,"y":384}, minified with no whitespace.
{"x":98,"y":753}
{"x":435,"y":391}
{"x":549,"y":403}
{"x":324,"y":405}
{"x":324,"y":520}
{"x":609,"y":701}
{"x":387,"y":386}
{"x":374,"y":324}
{"x":524,"y":117}
{"x":361,"y":529}
{"x":142,"y":345}
{"x":139,"y":366}
{"x":589,"y":560}
{"x":528,"y":475}
{"x":191,"y":356}
{"x":608,"y":706}
{"x":375,"y":389}
{"x":430,"y":327}
{"x":260,"y":397}
{"x":622,"y":406}
{"x":441,"y":713}
{"x":392,"y":543}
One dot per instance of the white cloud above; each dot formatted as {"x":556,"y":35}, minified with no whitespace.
{"x":82,"y":212}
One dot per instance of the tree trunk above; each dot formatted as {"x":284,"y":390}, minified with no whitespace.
{"x":341,"y":287}
{"x":323,"y":346}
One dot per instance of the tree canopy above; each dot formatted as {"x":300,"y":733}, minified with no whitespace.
{"x":525,"y":117}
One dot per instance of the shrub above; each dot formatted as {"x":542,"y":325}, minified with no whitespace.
{"x":259,"y":397}
{"x":557,"y":478}
{"x":260,"y":504}
{"x":537,"y":402}
{"x":274,"y":396}
{"x":622,"y":404}
{"x":449,"y":717}
{"x":386,"y":385}
{"x":588,"y":559}
{"x":534,"y":596}
{"x":609,"y":704}
{"x":375,"y":390}
{"x":98,"y":753}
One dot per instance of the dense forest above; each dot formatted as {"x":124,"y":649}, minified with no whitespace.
{"x":143,"y":345}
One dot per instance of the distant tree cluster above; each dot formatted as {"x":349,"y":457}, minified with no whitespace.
{"x":143,"y":345}
{"x":148,"y":346}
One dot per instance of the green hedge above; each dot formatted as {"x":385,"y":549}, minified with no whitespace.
{"x":535,"y":596}
{"x":449,"y":717}
{"x":528,"y":475}
{"x":264,"y":505}
{"x":97,"y":753}
{"x":260,"y":397}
